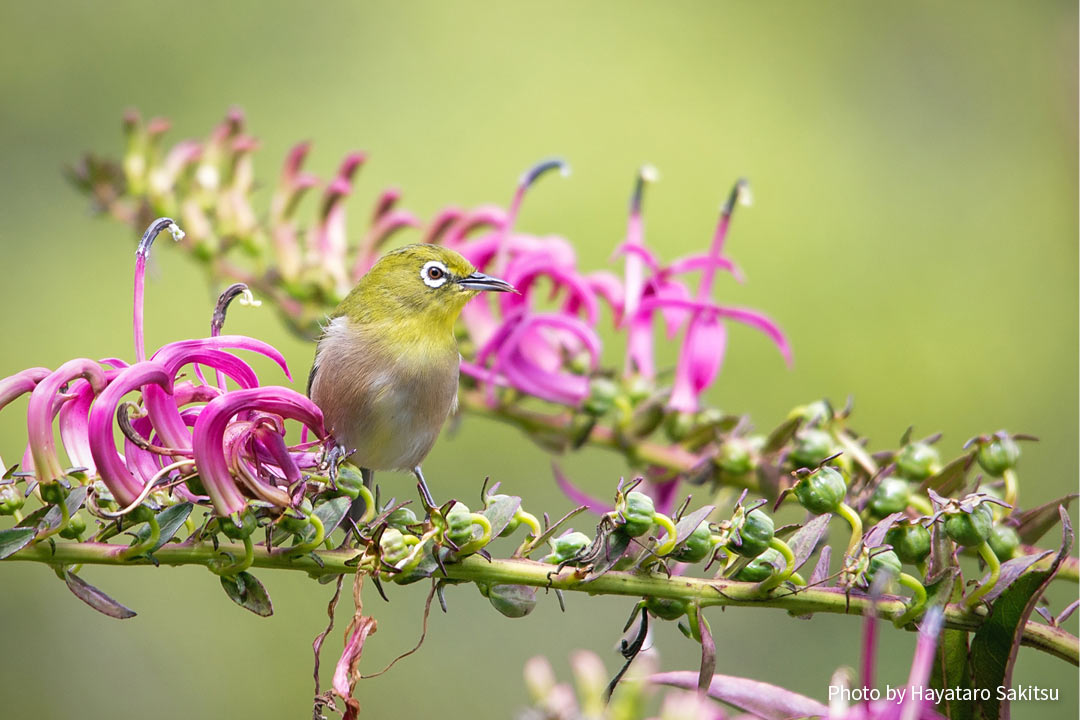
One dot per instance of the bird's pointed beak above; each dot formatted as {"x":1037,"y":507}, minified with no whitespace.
{"x":480,"y":281}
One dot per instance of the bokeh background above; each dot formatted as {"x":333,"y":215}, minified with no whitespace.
{"x":914,"y":168}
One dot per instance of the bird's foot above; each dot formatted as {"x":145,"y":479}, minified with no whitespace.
{"x":425,"y":494}
{"x":334,"y":457}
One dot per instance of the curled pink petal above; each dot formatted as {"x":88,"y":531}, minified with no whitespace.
{"x":172,"y":354}
{"x":74,"y":417}
{"x":123,"y":485}
{"x":21,"y":383}
{"x":702,"y":262}
{"x":441,"y":224}
{"x":747,"y":317}
{"x":210,"y":430}
{"x":45,"y":403}
{"x":386,"y":202}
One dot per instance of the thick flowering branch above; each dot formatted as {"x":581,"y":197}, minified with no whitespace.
{"x":709,"y":593}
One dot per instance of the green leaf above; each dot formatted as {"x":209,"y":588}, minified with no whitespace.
{"x":247,"y":592}
{"x":95,"y":598}
{"x":950,"y":477}
{"x":170,"y":520}
{"x":1034,"y":523}
{"x":780,"y":437}
{"x":331,"y":513}
{"x":996,"y":642}
{"x":687,"y":525}
{"x":951,"y":668}
{"x":500,"y":512}
{"x":15,"y":539}
{"x":48,"y":517}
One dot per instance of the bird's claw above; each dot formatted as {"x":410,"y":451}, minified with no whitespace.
{"x":334,"y":457}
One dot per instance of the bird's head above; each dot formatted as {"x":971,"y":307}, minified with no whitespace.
{"x":429,"y":283}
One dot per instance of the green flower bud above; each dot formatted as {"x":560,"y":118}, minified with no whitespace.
{"x":970,"y":528}
{"x":393,"y":546}
{"x":1004,"y":541}
{"x":248,"y":524}
{"x":760,"y":568}
{"x":637,"y":514}
{"x":11,"y":499}
{"x":513,"y":601}
{"x":76,"y":526}
{"x":821,"y":491}
{"x":678,"y":425}
{"x":918,"y":461}
{"x":645,"y":420}
{"x":736,"y":457}
{"x":53,"y":492}
{"x":910,"y":542}
{"x":459,"y":524}
{"x":401,"y":519}
{"x":756,"y":533}
{"x":696,"y":547}
{"x":812,"y":446}
{"x":566,"y":547}
{"x":638,"y":388}
{"x":998,"y":455}
{"x":666,"y":608}
{"x":890,"y":496}
{"x":602,"y":394}
{"x":884,"y":562}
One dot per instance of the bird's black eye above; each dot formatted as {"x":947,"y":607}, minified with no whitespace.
{"x":435,"y":272}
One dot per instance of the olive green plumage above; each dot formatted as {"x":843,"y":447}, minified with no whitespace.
{"x":386,"y":367}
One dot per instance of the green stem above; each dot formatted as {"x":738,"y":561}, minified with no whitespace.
{"x":918,"y":600}
{"x":845,"y":511}
{"x":718,"y":592}
{"x":991,"y":561}
{"x":320,"y":534}
{"x":485,"y":536}
{"x":1009,"y":476}
{"x":789,"y":558}
{"x":672,"y":534}
{"x":148,"y":543}
{"x":235,"y":568}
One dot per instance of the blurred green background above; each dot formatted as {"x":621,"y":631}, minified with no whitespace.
{"x":914,"y":167}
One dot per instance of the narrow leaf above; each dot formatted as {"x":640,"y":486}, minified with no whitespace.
{"x":821,"y":570}
{"x":804,"y":542}
{"x":48,"y":517}
{"x":15,"y":539}
{"x":779,"y":437}
{"x":708,"y":653}
{"x":1011,"y":571}
{"x":170,"y":520}
{"x":996,"y":642}
{"x":951,"y":668}
{"x":95,"y":598}
{"x":875,"y":536}
{"x":949,"y":478}
{"x":685,"y":527}
{"x":1034,"y":523}
{"x":247,"y":592}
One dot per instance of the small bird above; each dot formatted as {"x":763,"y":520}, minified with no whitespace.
{"x":386,"y":367}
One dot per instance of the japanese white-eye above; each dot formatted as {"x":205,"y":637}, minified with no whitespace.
{"x":386,"y":366}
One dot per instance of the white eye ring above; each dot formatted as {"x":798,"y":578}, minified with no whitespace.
{"x":434,"y":274}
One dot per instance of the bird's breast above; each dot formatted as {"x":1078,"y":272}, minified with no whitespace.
{"x":385,"y":398}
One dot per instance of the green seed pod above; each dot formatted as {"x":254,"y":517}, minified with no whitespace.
{"x":638,"y":514}
{"x":755,"y":534}
{"x":678,"y":425}
{"x":393,"y":546}
{"x":349,"y":480}
{"x":821,"y":491}
{"x":566,"y":547}
{"x":736,"y":457}
{"x":646,"y":418}
{"x":666,"y":608}
{"x":602,"y":394}
{"x":401,"y":519}
{"x":884,"y":562}
{"x":513,"y":601}
{"x":1004,"y":541}
{"x":760,"y":568}
{"x":459,"y":524}
{"x":972,"y":528}
{"x":76,"y":526}
{"x":638,"y":389}
{"x":918,"y":461}
{"x":696,"y":547}
{"x":910,"y":542}
{"x":890,"y":496}
{"x":812,"y":446}
{"x":248,"y":524}
{"x":11,"y":499}
{"x":998,"y":455}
